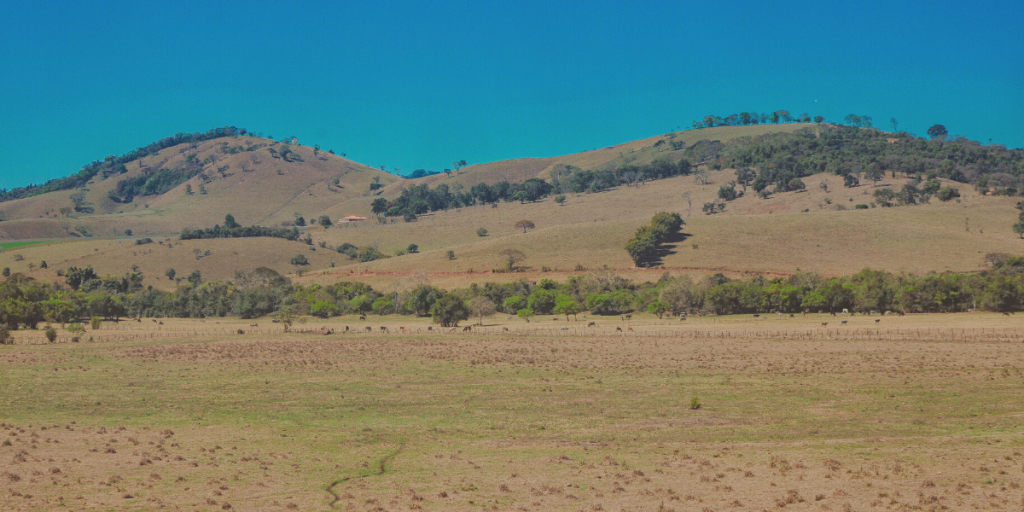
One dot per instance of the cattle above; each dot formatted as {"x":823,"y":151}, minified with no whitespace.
{"x":362,"y":317}
{"x":756,"y":315}
{"x":467,"y":328}
{"x":629,"y":329}
{"x":824,"y":324}
{"x":844,"y":322}
{"x":877,"y":320}
{"x":254,"y":325}
{"x":682,"y":317}
{"x":504,"y":329}
{"x":592,"y":324}
{"x":563,"y":328}
{"x":618,"y":329}
{"x":384,"y":329}
{"x":369,"y":329}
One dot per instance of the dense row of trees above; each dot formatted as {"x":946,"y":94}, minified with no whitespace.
{"x":748,"y":118}
{"x":417,"y":200}
{"x":112,"y":165}
{"x":25,"y":302}
{"x":232,"y":229}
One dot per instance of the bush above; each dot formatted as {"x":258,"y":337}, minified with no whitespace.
{"x":76,"y":328}
{"x":5,"y":335}
{"x":727,"y":192}
{"x":695,"y":403}
{"x":7,"y":272}
{"x":348,"y":250}
{"x":299,"y":260}
{"x":51,"y":334}
{"x":413,"y":249}
{"x":481,"y":232}
{"x":450,"y":255}
{"x":369,"y":254}
{"x":95,"y":323}
{"x":43,"y":264}
{"x":525,"y":314}
{"x":947,"y":194}
{"x":861,"y":207}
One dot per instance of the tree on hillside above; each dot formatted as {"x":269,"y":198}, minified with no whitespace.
{"x":511,"y":257}
{"x":849,"y":180}
{"x":170,"y":273}
{"x":229,"y":222}
{"x":874,"y":174}
{"x":458,"y":165}
{"x":379,"y":206}
{"x":1019,"y":226}
{"x":937,"y":131}
{"x":524,"y":225}
{"x":325,"y":221}
{"x":894,"y":123}
{"x":819,"y":119}
{"x":745,"y":176}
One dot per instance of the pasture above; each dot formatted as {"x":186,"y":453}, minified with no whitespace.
{"x":922,"y":412}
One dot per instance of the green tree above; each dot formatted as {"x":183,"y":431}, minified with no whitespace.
{"x":449,"y":311}
{"x":560,"y":199}
{"x":412,"y":249}
{"x":947,"y":194}
{"x":657,"y":308}
{"x":51,"y":334}
{"x":170,"y":273}
{"x":566,"y":307}
{"x":325,"y":221}
{"x":286,"y":317}
{"x":850,"y":180}
{"x":230,"y":223}
{"x":795,"y":184}
{"x":541,"y":301}
{"x":299,"y":260}
{"x":525,"y":314}
{"x":127,"y":232}
{"x":643,"y":247}
{"x":7,"y":272}
{"x":728,"y":192}
{"x":450,"y":255}
{"x":481,"y":232}
{"x":196,"y":277}
{"x":513,"y":304}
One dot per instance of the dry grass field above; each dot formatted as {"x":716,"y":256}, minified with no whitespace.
{"x":922,"y":412}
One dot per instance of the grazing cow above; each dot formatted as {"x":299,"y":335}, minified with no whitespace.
{"x":629,"y":329}
{"x":418,"y":330}
{"x":563,"y":328}
{"x":555,"y":319}
{"x":346,"y":328}
{"x":592,"y":324}
{"x":757,"y":315}
{"x":468,"y":328}
{"x":154,"y":320}
{"x":369,"y":329}
{"x":628,"y":317}
{"x":504,"y":329}
{"x":791,"y":315}
{"x":384,"y":329}
{"x":161,"y":323}
{"x":833,"y":313}
{"x":844,"y":322}
{"x":1006,"y":313}
{"x":254,"y":325}
{"x":618,"y":329}
{"x":824,"y":324}
{"x":877,"y":320}
{"x":901,"y":313}
{"x":362,"y":317}
{"x":682,"y":317}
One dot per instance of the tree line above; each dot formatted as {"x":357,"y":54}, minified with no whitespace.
{"x":26,"y":302}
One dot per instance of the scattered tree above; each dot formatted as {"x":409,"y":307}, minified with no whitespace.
{"x":511,"y":257}
{"x":325,"y":221}
{"x":850,"y":180}
{"x":450,"y":255}
{"x":196,"y":278}
{"x":78,"y":200}
{"x":413,"y":249}
{"x":560,"y":199}
{"x":566,"y":307}
{"x":481,"y":232}
{"x":728,"y":192}
{"x":230,"y":223}
{"x":51,"y":334}
{"x":170,"y":273}
{"x":657,"y":308}
{"x":524,"y":225}
{"x":127,"y":232}
{"x":819,"y":119}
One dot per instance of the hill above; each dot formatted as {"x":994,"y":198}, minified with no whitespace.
{"x":775,"y":226}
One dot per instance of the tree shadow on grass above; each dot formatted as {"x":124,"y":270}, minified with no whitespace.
{"x":668,"y":247}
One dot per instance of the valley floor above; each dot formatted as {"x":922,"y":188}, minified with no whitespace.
{"x":922,"y":412}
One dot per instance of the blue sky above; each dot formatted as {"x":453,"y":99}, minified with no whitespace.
{"x":419,"y":84}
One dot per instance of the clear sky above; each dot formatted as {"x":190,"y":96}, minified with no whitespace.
{"x":420,"y":84}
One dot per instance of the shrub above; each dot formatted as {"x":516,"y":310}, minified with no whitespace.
{"x":383,"y":306}
{"x":76,"y":328}
{"x":348,"y":250}
{"x":51,"y":334}
{"x":450,"y":254}
{"x":413,"y":249}
{"x":481,"y":232}
{"x":947,"y":193}
{"x":657,"y":308}
{"x":170,"y":273}
{"x":95,"y":323}
{"x":43,"y":264}
{"x":299,"y":260}
{"x":7,"y":272}
{"x":560,"y":199}
{"x":695,"y":403}
{"x":5,"y":335}
{"x":525,"y":314}
{"x":861,"y":207}
{"x":369,"y":254}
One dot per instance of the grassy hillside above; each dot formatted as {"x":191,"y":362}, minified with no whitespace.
{"x":816,"y":229}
